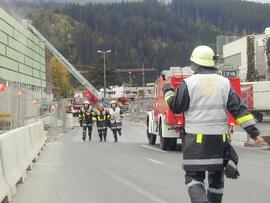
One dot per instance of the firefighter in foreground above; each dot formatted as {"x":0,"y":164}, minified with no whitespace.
{"x":116,"y":120}
{"x":103,"y":122}
{"x":87,"y":116}
{"x":206,"y":98}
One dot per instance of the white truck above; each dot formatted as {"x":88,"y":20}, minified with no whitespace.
{"x":257,"y":98}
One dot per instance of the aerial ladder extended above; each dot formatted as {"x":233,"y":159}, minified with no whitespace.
{"x":63,"y":60}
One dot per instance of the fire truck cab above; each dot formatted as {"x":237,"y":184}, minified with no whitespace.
{"x":161,"y":121}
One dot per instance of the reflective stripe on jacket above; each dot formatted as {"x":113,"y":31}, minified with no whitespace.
{"x":116,"y":115}
{"x":207,"y":112}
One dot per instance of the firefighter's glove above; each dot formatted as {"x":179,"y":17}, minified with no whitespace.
{"x":252,"y":131}
{"x":167,"y":87}
{"x":231,"y":171}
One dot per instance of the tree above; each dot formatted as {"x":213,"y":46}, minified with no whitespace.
{"x":96,"y":74}
{"x":60,"y":79}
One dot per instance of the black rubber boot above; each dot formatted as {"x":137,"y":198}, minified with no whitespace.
{"x":100,"y":138}
{"x":90,"y":136}
{"x":83,"y":135}
{"x":104,"y":136}
{"x":115,"y":138}
{"x":197,"y":194}
{"x":214,"y":197}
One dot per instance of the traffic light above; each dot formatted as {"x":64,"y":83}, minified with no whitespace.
{"x":2,"y":87}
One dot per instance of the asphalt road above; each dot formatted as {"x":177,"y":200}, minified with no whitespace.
{"x":72,"y":171}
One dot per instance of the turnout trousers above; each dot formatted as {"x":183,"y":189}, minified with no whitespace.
{"x":201,"y":154}
{"x":85,"y":127}
{"x":116,"y":127}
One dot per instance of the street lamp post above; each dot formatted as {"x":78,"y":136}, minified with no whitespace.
{"x":129,"y":79}
{"x":104,"y":68}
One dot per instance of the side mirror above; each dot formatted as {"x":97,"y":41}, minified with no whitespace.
{"x":163,"y":75}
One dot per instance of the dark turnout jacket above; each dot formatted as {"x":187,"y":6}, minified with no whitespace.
{"x":205,"y":98}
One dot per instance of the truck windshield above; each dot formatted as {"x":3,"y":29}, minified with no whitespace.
{"x":79,"y":100}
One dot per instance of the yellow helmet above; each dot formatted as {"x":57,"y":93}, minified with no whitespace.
{"x":113,"y":102}
{"x":203,"y":56}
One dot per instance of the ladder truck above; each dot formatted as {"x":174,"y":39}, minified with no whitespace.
{"x":63,"y":60}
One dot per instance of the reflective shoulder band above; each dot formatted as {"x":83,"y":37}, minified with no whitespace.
{"x":167,"y":98}
{"x":244,"y":118}
{"x":168,"y":95}
{"x":224,"y":137}
{"x":199,"y":138}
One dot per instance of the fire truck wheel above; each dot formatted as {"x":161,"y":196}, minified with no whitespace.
{"x":151,"y":137}
{"x":173,"y":144}
{"x":258,"y":117}
{"x":164,"y":142}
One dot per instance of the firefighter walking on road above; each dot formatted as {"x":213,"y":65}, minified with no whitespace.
{"x":87,"y":117}
{"x":116,"y":120}
{"x":206,"y":98}
{"x":102,"y":118}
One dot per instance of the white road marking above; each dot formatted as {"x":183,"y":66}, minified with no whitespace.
{"x":155,"y":161}
{"x":135,"y":187}
{"x":159,"y":150}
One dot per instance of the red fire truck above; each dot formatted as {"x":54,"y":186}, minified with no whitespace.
{"x":79,"y":98}
{"x":162,"y":122}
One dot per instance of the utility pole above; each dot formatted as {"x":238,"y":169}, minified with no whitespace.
{"x":129,"y":79}
{"x":143,"y":75}
{"x":143,"y":79}
{"x":104,"y":69}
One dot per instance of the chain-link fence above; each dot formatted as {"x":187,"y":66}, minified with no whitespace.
{"x":21,"y":105}
{"x":57,"y":121}
{"x":138,"y":109}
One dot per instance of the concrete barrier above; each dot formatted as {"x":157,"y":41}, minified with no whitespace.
{"x":30,"y":154}
{"x":18,"y":148}
{"x":4,"y":189}
{"x":11,"y":168}
{"x":23,"y":148}
{"x":69,"y":121}
{"x":40,"y":128}
{"x":37,"y":143}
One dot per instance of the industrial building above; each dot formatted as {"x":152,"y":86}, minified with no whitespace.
{"x":250,"y":56}
{"x":22,"y":54}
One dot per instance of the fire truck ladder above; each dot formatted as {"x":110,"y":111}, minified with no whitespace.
{"x":63,"y":60}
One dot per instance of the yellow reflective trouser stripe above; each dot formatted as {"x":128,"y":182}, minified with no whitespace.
{"x":199,"y":138}
{"x":244,"y":119}
{"x":168,"y":97}
{"x":224,"y":137}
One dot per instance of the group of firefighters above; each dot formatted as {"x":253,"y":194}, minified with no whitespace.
{"x":104,"y":117}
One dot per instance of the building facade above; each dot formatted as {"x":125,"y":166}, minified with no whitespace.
{"x":22,"y":54}
{"x":250,"y":55}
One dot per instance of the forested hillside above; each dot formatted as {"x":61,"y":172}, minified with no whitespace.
{"x":156,"y":33}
